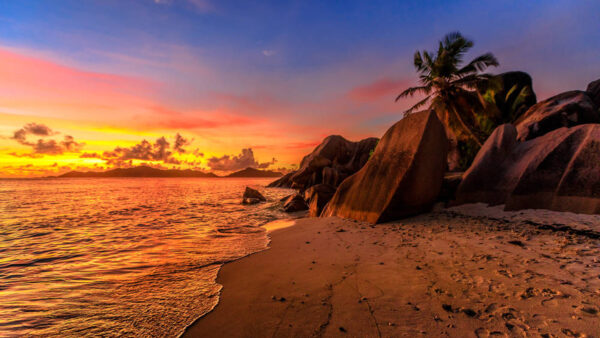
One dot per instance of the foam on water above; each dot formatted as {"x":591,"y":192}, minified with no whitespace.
{"x":120,"y":257}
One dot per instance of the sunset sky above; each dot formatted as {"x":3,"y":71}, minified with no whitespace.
{"x":222,"y":85}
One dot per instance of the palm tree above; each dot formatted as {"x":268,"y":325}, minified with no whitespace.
{"x":447,"y":85}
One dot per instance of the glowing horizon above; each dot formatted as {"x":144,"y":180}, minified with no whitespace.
{"x":216,"y":86}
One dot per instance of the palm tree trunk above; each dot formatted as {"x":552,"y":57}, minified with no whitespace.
{"x":464,"y":126}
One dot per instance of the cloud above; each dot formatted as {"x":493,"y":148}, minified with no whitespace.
{"x":38,"y":84}
{"x":173,"y":119}
{"x":69,"y":144}
{"x":157,"y":151}
{"x":198,"y":153}
{"x":31,"y":129}
{"x":179,"y":143}
{"x":201,"y":6}
{"x":378,"y":89}
{"x":42,"y":146}
{"x":244,"y":160}
{"x":49,"y":147}
{"x":268,"y":52}
{"x":30,"y":155}
{"x":90,"y":155}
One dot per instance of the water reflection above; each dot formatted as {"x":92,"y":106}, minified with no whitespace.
{"x":134,"y":257}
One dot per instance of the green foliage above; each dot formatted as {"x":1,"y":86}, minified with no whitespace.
{"x":468,"y":150}
{"x":373,"y":150}
{"x":507,"y":96}
{"x":448,"y":85}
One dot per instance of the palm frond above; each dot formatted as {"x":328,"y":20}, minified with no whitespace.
{"x":478,"y":64}
{"x":418,"y":62}
{"x":456,"y":46}
{"x":471,"y":80}
{"x":413,"y":90}
{"x":428,"y":59}
{"x":417,"y":105}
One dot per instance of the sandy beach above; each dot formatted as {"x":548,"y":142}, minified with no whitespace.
{"x":460,"y":272}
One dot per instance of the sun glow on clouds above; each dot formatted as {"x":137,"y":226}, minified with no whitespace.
{"x":105,"y":116}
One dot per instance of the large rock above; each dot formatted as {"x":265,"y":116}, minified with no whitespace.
{"x":593,"y":90}
{"x":330,"y":176}
{"x":402,"y":178}
{"x":480,"y":182}
{"x":294,"y":203}
{"x":252,"y":196}
{"x":330,"y":162}
{"x":557,"y":171}
{"x":317,"y":197}
{"x":563,"y":110}
{"x":283,"y":182}
{"x":511,"y":93}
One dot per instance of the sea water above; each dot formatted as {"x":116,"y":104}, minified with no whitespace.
{"x":122,"y":256}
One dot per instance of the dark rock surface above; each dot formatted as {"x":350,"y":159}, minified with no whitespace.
{"x":563,"y":110}
{"x":330,"y":162}
{"x":450,"y":185}
{"x":253,"y":172}
{"x":317,"y":197}
{"x":252,"y":196}
{"x":294,"y":203}
{"x":593,"y":90}
{"x":402,"y":178}
{"x":481,"y":182}
{"x":557,"y":171}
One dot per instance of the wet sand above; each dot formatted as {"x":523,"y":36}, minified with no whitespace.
{"x":461,"y":272}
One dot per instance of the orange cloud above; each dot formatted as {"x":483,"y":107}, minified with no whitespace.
{"x":173,"y":119}
{"x":30,"y":85}
{"x":378,"y":89}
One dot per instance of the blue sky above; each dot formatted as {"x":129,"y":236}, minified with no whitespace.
{"x":290,"y":37}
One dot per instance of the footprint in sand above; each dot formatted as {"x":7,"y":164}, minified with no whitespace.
{"x":484,"y":333}
{"x":588,"y":310}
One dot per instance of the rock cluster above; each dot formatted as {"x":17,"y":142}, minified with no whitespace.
{"x":563,"y":110}
{"x":549,"y":160}
{"x":558,"y":171}
{"x":317,"y":197}
{"x":331,"y":162}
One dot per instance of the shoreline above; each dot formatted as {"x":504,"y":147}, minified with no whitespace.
{"x":441,"y":273}
{"x":269,"y":227}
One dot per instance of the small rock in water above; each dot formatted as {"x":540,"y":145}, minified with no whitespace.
{"x":252,"y":196}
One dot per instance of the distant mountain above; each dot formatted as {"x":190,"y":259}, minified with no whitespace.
{"x":141,"y":171}
{"x":251,"y":172}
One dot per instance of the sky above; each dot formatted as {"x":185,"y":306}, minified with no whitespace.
{"x":220,"y":85}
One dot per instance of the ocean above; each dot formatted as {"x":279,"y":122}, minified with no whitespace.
{"x":124,"y":256}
